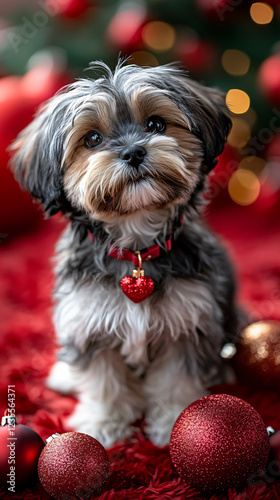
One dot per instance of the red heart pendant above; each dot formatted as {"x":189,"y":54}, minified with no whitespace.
{"x":137,"y":289}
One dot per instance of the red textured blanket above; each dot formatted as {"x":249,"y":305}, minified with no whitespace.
{"x":27,"y":348}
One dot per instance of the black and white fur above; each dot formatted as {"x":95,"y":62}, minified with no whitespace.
{"x":124,"y":359}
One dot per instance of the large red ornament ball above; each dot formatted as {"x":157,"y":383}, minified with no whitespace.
{"x":17,"y":211}
{"x":218,"y":442}
{"x":73,"y":464}
{"x":19,"y":98}
{"x":258,"y":354}
{"x":19,"y":448}
{"x":41,"y":82}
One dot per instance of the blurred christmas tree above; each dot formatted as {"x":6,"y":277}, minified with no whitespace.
{"x":230,"y":44}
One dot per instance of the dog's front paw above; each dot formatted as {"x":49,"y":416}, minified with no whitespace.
{"x":161,"y":417}
{"x":61,"y":379}
{"x":108,"y":427}
{"x":160,"y":421}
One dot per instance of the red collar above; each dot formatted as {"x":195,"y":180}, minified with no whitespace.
{"x":147,"y":253}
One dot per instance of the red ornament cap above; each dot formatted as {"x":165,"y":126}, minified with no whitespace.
{"x":73,"y":465}
{"x":218,"y":442}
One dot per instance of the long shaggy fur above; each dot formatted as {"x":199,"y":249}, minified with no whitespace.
{"x":121,"y":358}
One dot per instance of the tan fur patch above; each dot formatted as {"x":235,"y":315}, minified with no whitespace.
{"x":148,"y":101}
{"x":97,"y":114}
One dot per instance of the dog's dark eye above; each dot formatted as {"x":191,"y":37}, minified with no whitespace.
{"x":92,"y":139}
{"x":156,"y":124}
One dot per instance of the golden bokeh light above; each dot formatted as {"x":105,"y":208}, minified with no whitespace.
{"x":258,"y":354}
{"x":235,"y":62}
{"x":237,"y":101}
{"x":244,"y":187}
{"x":143,"y":58}
{"x":240,"y":133}
{"x":159,"y":36}
{"x":261,"y":13}
{"x":252,"y":163}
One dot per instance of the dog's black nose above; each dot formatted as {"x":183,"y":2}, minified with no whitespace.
{"x":133,"y":155}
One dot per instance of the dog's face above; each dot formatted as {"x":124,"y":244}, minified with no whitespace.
{"x":139,"y":138}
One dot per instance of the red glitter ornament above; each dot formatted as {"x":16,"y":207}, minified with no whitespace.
{"x":73,"y":465}
{"x":218,"y":442}
{"x":138,"y":286}
{"x":20,"y":448}
{"x":137,"y":289}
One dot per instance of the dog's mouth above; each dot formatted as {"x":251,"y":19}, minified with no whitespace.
{"x":145,"y":191}
{"x":143,"y":172}
{"x":139,"y":178}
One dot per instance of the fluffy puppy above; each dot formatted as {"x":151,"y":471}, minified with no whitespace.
{"x":125,"y":158}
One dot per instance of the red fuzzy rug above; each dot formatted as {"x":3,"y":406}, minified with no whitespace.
{"x":27,"y":348}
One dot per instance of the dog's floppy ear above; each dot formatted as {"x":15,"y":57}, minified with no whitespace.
{"x":212,"y":121}
{"x":37,"y":153}
{"x":204,"y":107}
